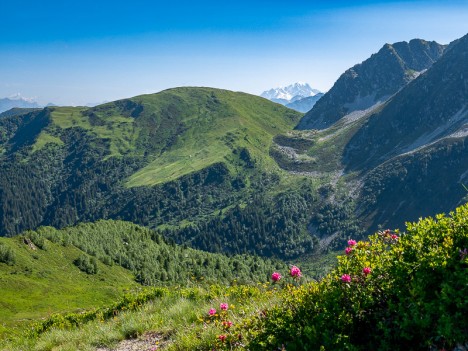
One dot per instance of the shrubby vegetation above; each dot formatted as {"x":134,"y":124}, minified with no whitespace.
{"x":395,"y":291}
{"x":86,"y":264}
{"x":6,"y":254}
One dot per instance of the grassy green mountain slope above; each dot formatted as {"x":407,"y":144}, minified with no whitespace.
{"x":90,"y":265}
{"x":181,"y":130}
{"x":211,"y":124}
{"x":37,"y":282}
{"x":177,"y":158}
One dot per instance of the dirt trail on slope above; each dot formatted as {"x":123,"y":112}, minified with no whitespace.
{"x":151,"y":341}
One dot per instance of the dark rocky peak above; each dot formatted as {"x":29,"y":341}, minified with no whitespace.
{"x":431,"y":107}
{"x":373,"y":81}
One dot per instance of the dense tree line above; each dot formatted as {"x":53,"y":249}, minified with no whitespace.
{"x":336,"y":219}
{"x":151,"y":257}
{"x":266,"y":226}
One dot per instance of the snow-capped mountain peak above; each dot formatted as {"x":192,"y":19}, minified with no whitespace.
{"x":290,"y":93}
{"x":20,"y":97}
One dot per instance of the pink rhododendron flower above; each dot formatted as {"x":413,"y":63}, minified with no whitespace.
{"x":224,"y":306}
{"x":346,"y":278}
{"x":348,"y":250}
{"x":275,"y":276}
{"x":394,"y":237}
{"x":212,"y":312}
{"x":222,"y":337}
{"x":227,"y":324}
{"x":366,"y":270}
{"x":352,"y":242}
{"x":295,"y":272}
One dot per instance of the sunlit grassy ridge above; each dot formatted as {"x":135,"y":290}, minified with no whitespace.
{"x":180,"y":130}
{"x":213,"y":123}
{"x":178,"y":317}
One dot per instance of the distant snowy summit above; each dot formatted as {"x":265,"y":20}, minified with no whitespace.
{"x":17,"y":101}
{"x":291,"y":93}
{"x":298,"y":96}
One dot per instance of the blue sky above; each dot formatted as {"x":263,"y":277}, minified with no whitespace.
{"x":78,"y":52}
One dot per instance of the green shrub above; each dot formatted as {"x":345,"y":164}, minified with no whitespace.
{"x":37,"y":239}
{"x":394,"y":292}
{"x":7,"y":255}
{"x":86,"y":264}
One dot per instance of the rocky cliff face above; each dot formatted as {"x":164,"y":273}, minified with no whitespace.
{"x":373,"y":81}
{"x":433,"y":106}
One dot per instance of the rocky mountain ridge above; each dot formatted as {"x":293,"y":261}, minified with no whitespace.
{"x":373,"y":81}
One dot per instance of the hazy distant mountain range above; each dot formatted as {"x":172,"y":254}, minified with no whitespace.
{"x":17,"y":101}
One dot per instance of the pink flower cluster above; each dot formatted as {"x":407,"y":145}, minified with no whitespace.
{"x":227,"y":324}
{"x":387,"y":233}
{"x":346,"y":278}
{"x":276,"y":277}
{"x":350,"y":248}
{"x":223,"y":306}
{"x":352,"y":242}
{"x":295,"y":272}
